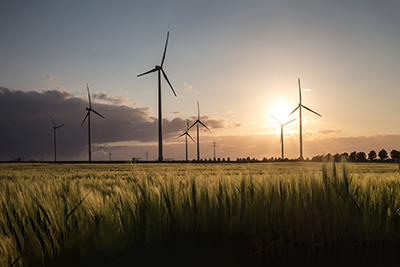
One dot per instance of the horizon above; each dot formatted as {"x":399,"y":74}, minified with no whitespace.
{"x":240,"y":61}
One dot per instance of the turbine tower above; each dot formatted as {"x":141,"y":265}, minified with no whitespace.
{"x":159,"y":69}
{"x":89,"y":109}
{"x":300,"y":118}
{"x":198,"y":135}
{"x":187,"y":134}
{"x":283,"y":157}
{"x":55,"y":137}
{"x":214,"y":145}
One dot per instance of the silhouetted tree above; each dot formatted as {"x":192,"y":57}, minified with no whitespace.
{"x":395,"y":155}
{"x":383,"y":154}
{"x":361,"y":156}
{"x":229,"y":159}
{"x":372,"y":155}
{"x":353,"y":156}
{"x":336,"y":157}
{"x":317,"y":159}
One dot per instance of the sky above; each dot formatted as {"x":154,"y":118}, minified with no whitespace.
{"x":241,"y":60}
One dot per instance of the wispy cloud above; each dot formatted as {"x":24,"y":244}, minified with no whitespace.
{"x":306,"y":90}
{"x":51,"y":78}
{"x":115,"y":100}
{"x":189,"y":87}
{"x":123,"y":92}
{"x":177,"y":112}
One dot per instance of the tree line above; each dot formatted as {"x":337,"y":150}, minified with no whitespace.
{"x":372,"y":156}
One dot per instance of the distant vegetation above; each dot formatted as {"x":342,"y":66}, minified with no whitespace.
{"x":109,"y":215}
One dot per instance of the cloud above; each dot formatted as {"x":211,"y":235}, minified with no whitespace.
{"x":177,"y":112}
{"x":51,"y":78}
{"x":116,"y":100}
{"x":306,"y":90}
{"x":321,"y":132}
{"x":189,"y":87}
{"x":123,"y":92}
{"x":26,"y":129}
{"x":214,"y":123}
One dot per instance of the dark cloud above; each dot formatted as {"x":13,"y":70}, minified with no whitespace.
{"x":27,"y":131}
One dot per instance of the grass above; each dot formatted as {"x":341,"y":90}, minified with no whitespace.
{"x":86,"y":214}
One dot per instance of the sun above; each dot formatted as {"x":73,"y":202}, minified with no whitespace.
{"x":280,"y":111}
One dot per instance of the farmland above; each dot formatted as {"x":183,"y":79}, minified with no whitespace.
{"x":111,"y":214}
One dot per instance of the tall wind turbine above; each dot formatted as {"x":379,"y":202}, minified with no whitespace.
{"x":187,"y":134}
{"x":159,"y":69}
{"x":282,"y":132}
{"x":301,"y":124}
{"x":55,"y":127}
{"x":89,"y":109}
{"x":198,"y":135}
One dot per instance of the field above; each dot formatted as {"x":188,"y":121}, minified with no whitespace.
{"x":194,"y":214}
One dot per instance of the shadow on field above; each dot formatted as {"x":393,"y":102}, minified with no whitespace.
{"x":208,"y":253}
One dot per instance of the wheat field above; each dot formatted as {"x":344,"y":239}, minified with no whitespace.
{"x":192,"y":213}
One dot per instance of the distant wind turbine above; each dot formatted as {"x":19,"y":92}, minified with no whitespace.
{"x":283,"y":157}
{"x":89,"y":109}
{"x":198,"y":135}
{"x":55,"y":127}
{"x":300,"y":117}
{"x":160,"y":69}
{"x":187,"y":134}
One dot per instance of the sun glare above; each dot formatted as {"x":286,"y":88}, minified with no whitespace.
{"x":281,"y":112}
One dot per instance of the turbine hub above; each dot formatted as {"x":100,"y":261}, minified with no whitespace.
{"x":158,"y":67}
{"x":88,"y":109}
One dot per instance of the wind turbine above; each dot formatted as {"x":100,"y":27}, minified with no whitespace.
{"x":159,"y":69}
{"x":282,"y":132}
{"x":187,"y":134}
{"x":198,"y":135}
{"x":301,"y":127}
{"x":55,"y":127}
{"x":89,"y":109}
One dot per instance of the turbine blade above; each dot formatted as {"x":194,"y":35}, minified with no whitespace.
{"x":165,"y":50}
{"x":150,"y":71}
{"x":311,"y":110}
{"x":87,"y":114}
{"x":288,"y":122}
{"x":276,"y":119}
{"x":198,"y":110}
{"x":190,"y":137}
{"x":97,"y":113}
{"x":294,"y":110}
{"x":182,"y":134}
{"x":90,"y":102}
{"x":166,"y":78}
{"x":193,"y":124}
{"x":53,"y":121}
{"x":204,"y":125}
{"x":298,"y":80}
{"x":60,"y":126}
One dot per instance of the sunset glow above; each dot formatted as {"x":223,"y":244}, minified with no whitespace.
{"x":240,"y":60}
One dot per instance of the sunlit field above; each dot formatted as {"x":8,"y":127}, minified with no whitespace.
{"x":192,"y":214}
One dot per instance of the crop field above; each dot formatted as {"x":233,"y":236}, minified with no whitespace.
{"x":192,"y":214}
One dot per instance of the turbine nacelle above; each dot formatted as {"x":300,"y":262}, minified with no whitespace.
{"x":158,"y":67}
